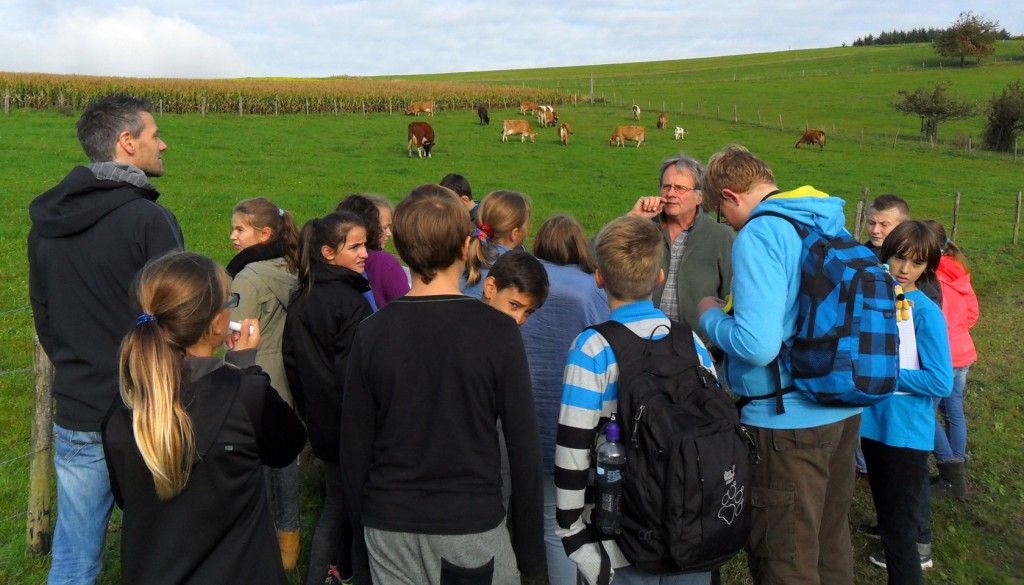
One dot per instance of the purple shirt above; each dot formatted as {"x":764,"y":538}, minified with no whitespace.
{"x":387,"y":278}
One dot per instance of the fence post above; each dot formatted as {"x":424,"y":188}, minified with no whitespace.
{"x":202,"y":107}
{"x":1016,"y":220}
{"x":39,"y":505}
{"x":858,"y":221}
{"x":956,"y":216}
{"x":7,"y":104}
{"x":894,"y":140}
{"x":970,"y":147}
{"x":735,"y":114}
{"x":781,"y":127}
{"x":239,"y":104}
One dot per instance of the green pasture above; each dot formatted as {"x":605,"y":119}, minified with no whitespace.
{"x":307,"y":163}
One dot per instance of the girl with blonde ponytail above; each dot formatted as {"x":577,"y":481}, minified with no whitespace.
{"x":504,"y":222}
{"x":186,"y":444}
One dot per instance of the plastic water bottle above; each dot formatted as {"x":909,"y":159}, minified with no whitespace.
{"x":611,"y":463}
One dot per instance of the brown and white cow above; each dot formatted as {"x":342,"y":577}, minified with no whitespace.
{"x":549,"y":119}
{"x":485,"y":119}
{"x":416,"y":108}
{"x":663,"y":121}
{"x":681,"y":133}
{"x":564,"y":131}
{"x":636,"y":112}
{"x":421,"y":136}
{"x":812,"y":137}
{"x":525,"y":106}
{"x":624,"y":133}
{"x":542,"y":113}
{"x":520,"y":127}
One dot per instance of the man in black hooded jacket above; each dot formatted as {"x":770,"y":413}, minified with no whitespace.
{"x":90,"y":235}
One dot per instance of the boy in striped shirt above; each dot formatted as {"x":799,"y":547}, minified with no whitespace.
{"x":629,"y":254}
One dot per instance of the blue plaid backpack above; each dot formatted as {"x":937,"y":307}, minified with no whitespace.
{"x":846,"y":349}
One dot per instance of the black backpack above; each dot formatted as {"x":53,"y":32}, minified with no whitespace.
{"x":686,"y":486}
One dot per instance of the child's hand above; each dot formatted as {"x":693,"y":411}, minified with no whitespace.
{"x":709,"y":303}
{"x":647,"y":207}
{"x":247,"y":338}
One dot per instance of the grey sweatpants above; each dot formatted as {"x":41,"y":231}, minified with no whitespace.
{"x":418,"y":559}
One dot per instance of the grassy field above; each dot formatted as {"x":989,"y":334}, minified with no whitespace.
{"x":307,"y":163}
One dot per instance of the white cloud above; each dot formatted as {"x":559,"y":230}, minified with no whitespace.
{"x":316,"y":38}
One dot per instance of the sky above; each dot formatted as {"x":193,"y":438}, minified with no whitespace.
{"x":321,"y":38}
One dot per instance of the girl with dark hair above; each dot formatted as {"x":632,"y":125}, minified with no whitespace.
{"x":187,"y":443}
{"x":324,"y":312}
{"x":263,"y":275}
{"x":387,"y":278}
{"x":898,"y":433}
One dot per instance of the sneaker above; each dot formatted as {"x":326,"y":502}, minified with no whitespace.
{"x":333,"y":577}
{"x":877,"y":558}
{"x":869,"y":530}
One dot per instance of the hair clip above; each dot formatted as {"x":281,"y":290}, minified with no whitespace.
{"x":280,"y":212}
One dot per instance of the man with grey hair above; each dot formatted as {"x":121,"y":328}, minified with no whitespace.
{"x":696,"y":262}
{"x":90,"y":235}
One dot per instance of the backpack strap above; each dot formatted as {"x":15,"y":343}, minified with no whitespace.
{"x":803,"y":230}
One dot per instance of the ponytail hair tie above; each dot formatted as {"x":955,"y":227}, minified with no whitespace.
{"x":483,"y":233}
{"x":280,"y":212}
{"x":144,"y":318}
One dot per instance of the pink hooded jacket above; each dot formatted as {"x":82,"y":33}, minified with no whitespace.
{"x":960,"y":307}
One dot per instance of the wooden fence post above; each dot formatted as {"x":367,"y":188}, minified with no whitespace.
{"x":735,"y":114}
{"x":1016,"y":220}
{"x":970,"y":147}
{"x":956,"y":217}
{"x":239,"y":104}
{"x":7,"y":105}
{"x":202,"y":107}
{"x":39,"y":503}
{"x":781,"y":127}
{"x":858,"y":220}
{"x":894,"y":140}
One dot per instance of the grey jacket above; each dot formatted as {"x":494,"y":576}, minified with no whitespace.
{"x":264,"y":288}
{"x":705,"y":269}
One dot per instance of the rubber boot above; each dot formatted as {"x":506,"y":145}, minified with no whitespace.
{"x":952,"y":480}
{"x":289,"y":548}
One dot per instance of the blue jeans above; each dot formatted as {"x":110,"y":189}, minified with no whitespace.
{"x":634,"y":576}
{"x":283,"y":495}
{"x":84,"y":503}
{"x":561,"y":569}
{"x":951,"y":442}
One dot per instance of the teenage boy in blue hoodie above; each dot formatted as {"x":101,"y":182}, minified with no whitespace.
{"x":803,"y":485}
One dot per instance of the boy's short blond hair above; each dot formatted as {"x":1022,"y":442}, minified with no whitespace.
{"x":734,"y":168}
{"x":629,"y":252}
{"x":430,"y":227}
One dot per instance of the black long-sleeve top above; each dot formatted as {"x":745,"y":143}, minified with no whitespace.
{"x":428,"y":379}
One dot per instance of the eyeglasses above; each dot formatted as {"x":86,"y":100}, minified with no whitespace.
{"x":233,"y":301}
{"x":678,"y":189}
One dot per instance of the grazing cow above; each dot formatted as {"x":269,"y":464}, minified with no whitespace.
{"x":542,"y":113}
{"x":549,"y":119}
{"x":624,"y":133}
{"x":563,"y":133}
{"x":681,"y":133}
{"x":484,"y":118}
{"x":520,"y":127}
{"x":415,"y":108}
{"x":636,"y":112}
{"x":525,"y":106}
{"x":812,"y":137}
{"x":662,"y":121}
{"x":421,"y":135}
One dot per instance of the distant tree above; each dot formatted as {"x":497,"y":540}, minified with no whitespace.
{"x":932,"y":107}
{"x":1005,"y":118}
{"x":970,"y":36}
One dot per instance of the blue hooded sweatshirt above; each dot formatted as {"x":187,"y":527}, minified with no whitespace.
{"x":766,"y":259}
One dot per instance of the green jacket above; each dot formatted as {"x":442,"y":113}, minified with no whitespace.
{"x":705,"y":269}
{"x":264,"y":288}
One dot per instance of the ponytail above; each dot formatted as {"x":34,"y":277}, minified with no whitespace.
{"x":179,"y":295}
{"x":500,"y":213}
{"x":261,"y":213}
{"x":330,"y":230}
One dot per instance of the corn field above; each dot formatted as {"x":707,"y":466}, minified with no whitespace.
{"x":262,"y":96}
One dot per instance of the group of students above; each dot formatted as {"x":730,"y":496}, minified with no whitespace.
{"x":456,"y":441}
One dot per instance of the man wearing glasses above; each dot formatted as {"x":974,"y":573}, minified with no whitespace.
{"x":90,"y":235}
{"x":696,"y":262}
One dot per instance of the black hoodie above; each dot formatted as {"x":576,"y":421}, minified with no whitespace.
{"x":88,"y":239}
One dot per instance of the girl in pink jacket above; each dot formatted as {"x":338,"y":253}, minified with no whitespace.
{"x":960,"y":308}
